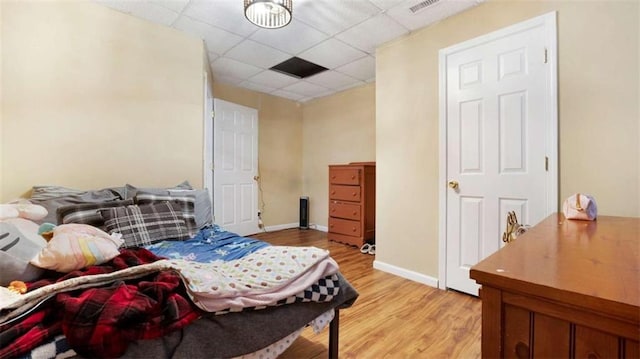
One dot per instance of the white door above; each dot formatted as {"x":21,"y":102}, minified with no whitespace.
{"x":500,"y":141}
{"x":235,"y":167}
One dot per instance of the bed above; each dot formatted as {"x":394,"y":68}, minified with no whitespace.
{"x":210,"y":294}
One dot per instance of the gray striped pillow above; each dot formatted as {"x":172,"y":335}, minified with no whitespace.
{"x":87,"y":213}
{"x":147,"y":224}
{"x":186,"y":203}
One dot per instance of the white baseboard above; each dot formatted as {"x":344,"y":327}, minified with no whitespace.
{"x":319,"y":227}
{"x":405,"y":273}
{"x":279,"y":227}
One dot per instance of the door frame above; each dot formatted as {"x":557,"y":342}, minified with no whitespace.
{"x":548,"y":21}
{"x":207,"y":158}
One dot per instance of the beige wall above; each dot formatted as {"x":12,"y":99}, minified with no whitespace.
{"x":279,"y":150}
{"x":337,"y":129}
{"x":598,"y":117}
{"x":93,"y":97}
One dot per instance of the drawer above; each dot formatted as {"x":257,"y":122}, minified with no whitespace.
{"x":345,"y":226}
{"x":344,"y":210}
{"x":344,"y":176}
{"x":344,"y":193}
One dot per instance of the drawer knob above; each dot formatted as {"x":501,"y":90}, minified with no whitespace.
{"x":333,"y":209}
{"x":333,"y":177}
{"x":354,"y":213}
{"x":522,"y":350}
{"x":353,"y":177}
{"x":354,"y":194}
{"x":354,"y":229}
{"x":333,"y":192}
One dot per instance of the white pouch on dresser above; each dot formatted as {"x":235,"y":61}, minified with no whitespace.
{"x":580,"y":206}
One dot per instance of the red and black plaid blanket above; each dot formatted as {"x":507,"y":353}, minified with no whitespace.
{"x":102,"y":321}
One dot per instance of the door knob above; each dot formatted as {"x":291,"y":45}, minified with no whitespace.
{"x":453,"y":184}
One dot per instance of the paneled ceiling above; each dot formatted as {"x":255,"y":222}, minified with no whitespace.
{"x":340,"y":35}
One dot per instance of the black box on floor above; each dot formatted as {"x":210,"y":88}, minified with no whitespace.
{"x":304,"y":212}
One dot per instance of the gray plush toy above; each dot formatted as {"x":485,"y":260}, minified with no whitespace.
{"x":16,"y":250}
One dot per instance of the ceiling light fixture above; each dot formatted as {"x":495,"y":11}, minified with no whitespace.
{"x":270,"y":14}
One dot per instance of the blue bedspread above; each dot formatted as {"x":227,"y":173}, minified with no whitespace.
{"x":210,"y":244}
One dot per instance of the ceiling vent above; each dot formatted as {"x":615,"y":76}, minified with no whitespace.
{"x":420,"y":6}
{"x":298,"y":68}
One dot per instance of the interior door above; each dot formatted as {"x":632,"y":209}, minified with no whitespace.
{"x":498,"y":119}
{"x":235,"y":167}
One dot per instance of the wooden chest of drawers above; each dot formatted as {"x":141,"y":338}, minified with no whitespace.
{"x":564,"y":289}
{"x":352,"y":202}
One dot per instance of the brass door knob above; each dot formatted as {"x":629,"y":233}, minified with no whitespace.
{"x":453,"y":184}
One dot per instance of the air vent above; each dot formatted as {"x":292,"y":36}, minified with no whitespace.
{"x":417,"y":7}
{"x":298,"y":68}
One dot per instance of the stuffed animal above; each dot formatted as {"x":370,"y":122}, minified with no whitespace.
{"x":19,"y":241}
{"x":22,"y":209}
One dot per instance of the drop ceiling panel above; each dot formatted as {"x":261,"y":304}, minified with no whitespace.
{"x":273,"y":79}
{"x":331,"y":16}
{"x":216,"y":40}
{"x":387,"y":4}
{"x":362,"y":69}
{"x":212,"y":56}
{"x":225,"y":14}
{"x":333,"y":80}
{"x":370,"y":33}
{"x":332,"y":53}
{"x":306,"y":89}
{"x":289,"y":95}
{"x":146,"y":10}
{"x":254,"y":53}
{"x":228,"y":80}
{"x":293,"y":38}
{"x":430,"y":14}
{"x":173,"y":5}
{"x":225,"y":66}
{"x":257,"y":87}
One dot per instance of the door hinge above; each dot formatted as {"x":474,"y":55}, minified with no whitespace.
{"x":546,"y":56}
{"x":546,"y":163}
{"x":213,"y":115}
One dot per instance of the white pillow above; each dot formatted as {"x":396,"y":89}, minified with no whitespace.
{"x":23,"y":209}
{"x":30,"y":211}
{"x":75,"y":246}
{"x":8,"y":211}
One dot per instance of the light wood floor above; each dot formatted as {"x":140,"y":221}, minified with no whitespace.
{"x":393,"y":317}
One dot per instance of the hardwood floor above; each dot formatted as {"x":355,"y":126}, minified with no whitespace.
{"x":393,"y":317}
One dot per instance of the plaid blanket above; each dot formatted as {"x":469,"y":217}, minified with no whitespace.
{"x":101,"y":322}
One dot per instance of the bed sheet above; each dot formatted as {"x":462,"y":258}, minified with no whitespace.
{"x":210,"y":244}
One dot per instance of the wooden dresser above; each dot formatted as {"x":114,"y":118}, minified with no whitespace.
{"x":564,"y":289}
{"x":352,"y":202}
